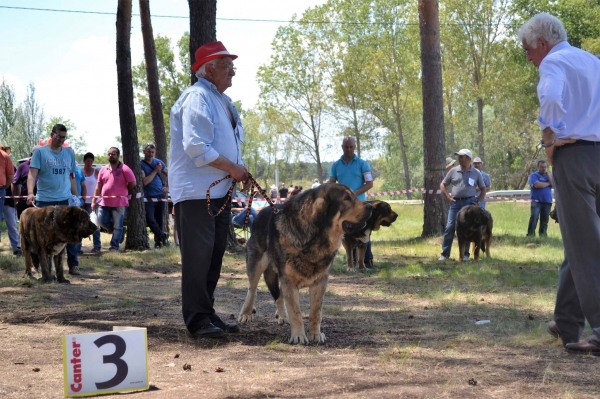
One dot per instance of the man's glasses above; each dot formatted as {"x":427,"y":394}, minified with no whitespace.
{"x":59,"y":136}
{"x":229,"y":65}
{"x":525,"y":52}
{"x":113,"y":154}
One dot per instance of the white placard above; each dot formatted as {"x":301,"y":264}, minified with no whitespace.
{"x":106,"y":362}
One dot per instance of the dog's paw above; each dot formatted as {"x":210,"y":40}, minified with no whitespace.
{"x":63,"y":280}
{"x":246,"y":318}
{"x":298,"y":339}
{"x":281,"y":319}
{"x":30,"y":276}
{"x":350,"y":270}
{"x":49,"y":279}
{"x":318,"y":338}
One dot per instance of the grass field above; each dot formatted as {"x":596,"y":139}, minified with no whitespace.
{"x":406,"y":328}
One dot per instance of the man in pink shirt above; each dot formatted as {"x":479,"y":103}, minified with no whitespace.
{"x":114,"y":180}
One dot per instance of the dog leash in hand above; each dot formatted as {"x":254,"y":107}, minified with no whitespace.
{"x":230,"y":193}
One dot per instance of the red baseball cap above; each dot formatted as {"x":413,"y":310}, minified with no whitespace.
{"x":209,"y":52}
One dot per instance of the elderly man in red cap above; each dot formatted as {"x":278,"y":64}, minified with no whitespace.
{"x":206,"y":139}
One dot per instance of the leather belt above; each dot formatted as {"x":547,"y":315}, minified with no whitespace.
{"x":580,"y":142}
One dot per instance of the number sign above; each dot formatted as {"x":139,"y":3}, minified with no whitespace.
{"x":106,"y":362}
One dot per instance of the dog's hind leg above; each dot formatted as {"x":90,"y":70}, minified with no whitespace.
{"x":272,"y":281}
{"x":317,"y":293}
{"x":58,"y":265}
{"x":254,"y":267}
{"x":31,"y":261}
{"x":461,"y":249}
{"x":487,"y":243}
{"x":291,"y":295}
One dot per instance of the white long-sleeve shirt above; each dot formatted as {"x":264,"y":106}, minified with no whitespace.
{"x":201,"y":130}
{"x":569,"y":93}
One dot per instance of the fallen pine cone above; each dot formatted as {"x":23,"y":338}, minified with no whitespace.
{"x":36,"y":369}
{"x":220,"y":370}
{"x":473,"y":382}
{"x":187,"y":367}
{"x":177,"y":356}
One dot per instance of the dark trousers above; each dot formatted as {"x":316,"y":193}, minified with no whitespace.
{"x":202,"y":242}
{"x":577,"y":190}
{"x":155,"y":214}
{"x":541,"y":211}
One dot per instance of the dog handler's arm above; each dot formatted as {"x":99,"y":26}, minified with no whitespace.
{"x":97,"y":192}
{"x":73,"y":184}
{"x":238,"y":172}
{"x":445,"y":192}
{"x":365,"y":187}
{"x":31,"y":177}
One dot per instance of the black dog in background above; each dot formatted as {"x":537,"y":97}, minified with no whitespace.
{"x":474,"y":224}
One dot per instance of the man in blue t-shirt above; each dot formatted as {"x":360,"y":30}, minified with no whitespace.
{"x":541,"y":199}
{"x":356,"y":174}
{"x":154,"y":189}
{"x":54,"y":168}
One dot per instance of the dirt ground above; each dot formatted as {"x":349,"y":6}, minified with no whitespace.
{"x":395,"y":346}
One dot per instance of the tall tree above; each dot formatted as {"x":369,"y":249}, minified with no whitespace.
{"x":295,"y":84}
{"x":158,"y":122}
{"x":203,"y":27}
{"x":137,"y":236}
{"x":435,"y":209}
{"x":29,"y":126}
{"x":8,"y":109}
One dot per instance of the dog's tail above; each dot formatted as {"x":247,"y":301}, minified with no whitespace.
{"x":272,"y":281}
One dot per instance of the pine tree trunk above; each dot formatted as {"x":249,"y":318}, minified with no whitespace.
{"x":435,"y":207}
{"x":137,"y":237}
{"x":203,"y":27}
{"x":158,"y":121}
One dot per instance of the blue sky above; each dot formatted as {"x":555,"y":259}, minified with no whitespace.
{"x":70,"y":57}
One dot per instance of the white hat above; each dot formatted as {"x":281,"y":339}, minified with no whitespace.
{"x":477,"y":159}
{"x":466,"y":152}
{"x":450,"y":161}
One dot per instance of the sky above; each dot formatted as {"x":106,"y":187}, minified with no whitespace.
{"x":70,"y":57}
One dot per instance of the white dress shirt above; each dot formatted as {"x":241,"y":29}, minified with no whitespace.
{"x":201,"y":130}
{"x":569,"y":93}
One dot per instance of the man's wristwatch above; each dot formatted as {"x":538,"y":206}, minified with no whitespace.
{"x":550,"y":144}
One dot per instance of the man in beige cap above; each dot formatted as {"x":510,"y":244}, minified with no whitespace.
{"x":450,"y":163}
{"x":478,"y":163}
{"x":206,"y":140}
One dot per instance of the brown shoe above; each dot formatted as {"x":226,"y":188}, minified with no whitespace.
{"x":553,"y":329}
{"x":74,"y":271}
{"x":583,"y":348}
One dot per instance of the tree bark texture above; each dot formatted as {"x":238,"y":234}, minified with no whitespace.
{"x":435,"y":207}
{"x":158,"y":122}
{"x":203,"y":27}
{"x":137,"y":237}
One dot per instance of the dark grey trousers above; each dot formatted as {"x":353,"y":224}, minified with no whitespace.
{"x":577,"y":190}
{"x":202,"y":242}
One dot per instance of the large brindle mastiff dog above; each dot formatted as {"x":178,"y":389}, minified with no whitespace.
{"x":381,"y":215}
{"x":45,"y":233}
{"x":295,"y":247}
{"x":474,"y":224}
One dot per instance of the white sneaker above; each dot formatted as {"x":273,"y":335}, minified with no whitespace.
{"x":466,"y":258}
{"x":442,"y":257}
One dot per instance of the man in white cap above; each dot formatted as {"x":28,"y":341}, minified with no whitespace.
{"x":206,"y":139}
{"x":463,"y":178}
{"x":478,"y":163}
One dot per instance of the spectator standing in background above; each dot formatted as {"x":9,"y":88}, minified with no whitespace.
{"x":91,"y":179}
{"x":154,"y":189}
{"x":478,"y":164}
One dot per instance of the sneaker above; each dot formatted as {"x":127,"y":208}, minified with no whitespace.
{"x":74,"y":271}
{"x":18,"y":252}
{"x":96,"y":250}
{"x":442,"y":257}
{"x":466,"y":258}
{"x":369,"y":264}
{"x":111,"y":249}
{"x":157,"y":245}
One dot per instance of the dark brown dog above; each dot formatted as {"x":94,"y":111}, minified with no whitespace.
{"x":381,"y":215}
{"x":45,"y":233}
{"x":474,"y":224}
{"x":295,"y":247}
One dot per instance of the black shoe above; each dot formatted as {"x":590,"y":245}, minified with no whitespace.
{"x":208,"y":330}
{"x":227,"y":327}
{"x":18,"y":252}
{"x":369,"y":264}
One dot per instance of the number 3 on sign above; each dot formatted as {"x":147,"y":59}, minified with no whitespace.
{"x":106,"y":362}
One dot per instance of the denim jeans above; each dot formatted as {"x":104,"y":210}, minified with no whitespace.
{"x":238,"y":219}
{"x":111,"y":219}
{"x":96,"y":235}
{"x":10,"y":217}
{"x":541,"y":211}
{"x":72,"y":249}
{"x":455,"y":207}
{"x":155,"y":214}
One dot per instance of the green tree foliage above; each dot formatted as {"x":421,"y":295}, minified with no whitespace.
{"x":172,"y":80}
